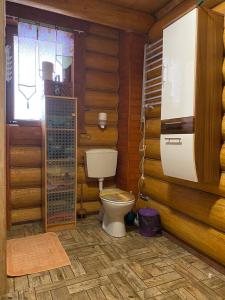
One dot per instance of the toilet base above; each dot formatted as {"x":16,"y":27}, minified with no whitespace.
{"x":115,"y":228}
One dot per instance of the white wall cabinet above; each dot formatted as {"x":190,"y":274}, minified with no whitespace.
{"x":191,"y":96}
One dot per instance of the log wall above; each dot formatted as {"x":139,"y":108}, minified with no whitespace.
{"x":193,"y":212}
{"x":24,"y":173}
{"x":101,"y":95}
{"x":24,"y":149}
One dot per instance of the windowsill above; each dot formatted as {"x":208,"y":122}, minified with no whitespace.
{"x":28,"y":123}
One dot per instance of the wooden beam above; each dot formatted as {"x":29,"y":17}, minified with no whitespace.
{"x":167,"y":8}
{"x":156,"y":30}
{"x":212,"y":3}
{"x":220,"y":8}
{"x":96,"y":11}
{"x":3,"y":284}
{"x":43,"y":16}
{"x":129,"y":110}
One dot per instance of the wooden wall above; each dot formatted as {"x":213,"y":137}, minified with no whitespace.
{"x":131,"y":70}
{"x":24,"y":173}
{"x":3,"y":282}
{"x":101,"y":95}
{"x":193,"y":212}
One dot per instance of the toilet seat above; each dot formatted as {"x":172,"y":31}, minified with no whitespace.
{"x":117,"y":196}
{"x":116,"y":204}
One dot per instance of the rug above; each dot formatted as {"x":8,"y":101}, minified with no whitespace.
{"x":34,"y":254}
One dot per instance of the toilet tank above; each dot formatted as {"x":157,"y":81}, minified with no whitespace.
{"x":101,"y":163}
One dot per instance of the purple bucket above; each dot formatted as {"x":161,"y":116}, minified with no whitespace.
{"x":149,"y":222}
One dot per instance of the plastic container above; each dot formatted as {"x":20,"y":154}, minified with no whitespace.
{"x":149,"y":222}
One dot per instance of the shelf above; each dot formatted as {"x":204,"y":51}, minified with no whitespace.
{"x":60,"y":97}
{"x":60,"y":129}
{"x":62,"y":160}
{"x":59,"y":191}
{"x":61,"y":226}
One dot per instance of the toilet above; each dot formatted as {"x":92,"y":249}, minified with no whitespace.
{"x":116,"y":204}
{"x":100,"y":164}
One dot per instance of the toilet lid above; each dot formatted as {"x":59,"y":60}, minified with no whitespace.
{"x":116,"y":195}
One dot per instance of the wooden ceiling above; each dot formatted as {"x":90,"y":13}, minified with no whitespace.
{"x":97,"y":11}
{"x":149,"y":6}
{"x":129,"y":15}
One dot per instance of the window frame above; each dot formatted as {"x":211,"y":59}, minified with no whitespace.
{"x":11,"y":31}
{"x":42,"y":16}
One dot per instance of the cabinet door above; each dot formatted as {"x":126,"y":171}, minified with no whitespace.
{"x":179,"y":67}
{"x":177,"y":154}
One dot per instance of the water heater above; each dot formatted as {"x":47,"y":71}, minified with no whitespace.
{"x":191,"y":96}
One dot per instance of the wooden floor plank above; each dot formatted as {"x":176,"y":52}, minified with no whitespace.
{"x":110,"y":292}
{"x":61,"y":293}
{"x":96,"y":294}
{"x":123,"y":286}
{"x":80,"y":296}
{"x":44,"y":296}
{"x":108,"y":268}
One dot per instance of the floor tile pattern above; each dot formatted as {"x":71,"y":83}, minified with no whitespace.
{"x":107,"y":268}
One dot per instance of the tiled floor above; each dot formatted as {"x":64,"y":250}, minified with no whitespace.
{"x":132,"y":267}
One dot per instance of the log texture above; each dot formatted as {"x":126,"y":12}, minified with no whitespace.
{"x":26,"y":214}
{"x":152,"y":128}
{"x":153,"y":112}
{"x":153,"y":167}
{"x":90,"y":190}
{"x":152,"y":148}
{"x":21,"y":135}
{"x":91,"y":207}
{"x":24,"y":169}
{"x":97,"y":137}
{"x":81,"y":174}
{"x":104,"y":31}
{"x":25,"y":157}
{"x":101,"y":62}
{"x":101,"y":95}
{"x":202,"y":237}
{"x":223,"y":128}
{"x":223,"y":99}
{"x":99,"y":99}
{"x":102,"y":81}
{"x":27,"y":197}
{"x":25,"y":177}
{"x":201,"y":206}
{"x":222,"y":157}
{"x":102,"y":45}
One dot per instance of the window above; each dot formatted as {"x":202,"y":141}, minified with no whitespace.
{"x":33,"y":45}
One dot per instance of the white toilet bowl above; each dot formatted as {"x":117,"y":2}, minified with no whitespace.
{"x":116,"y":204}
